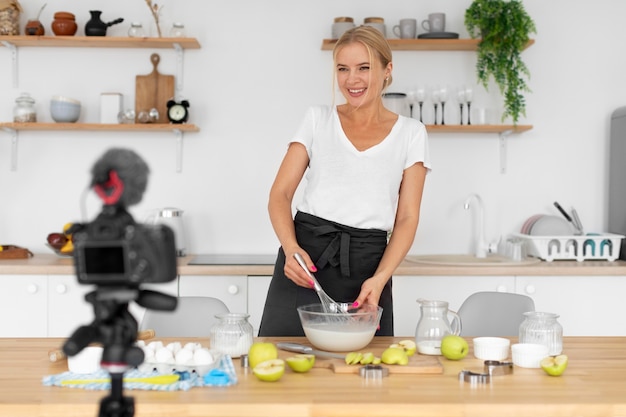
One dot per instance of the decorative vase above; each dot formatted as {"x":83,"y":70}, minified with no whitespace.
{"x":64,"y":24}
{"x":96,"y":27}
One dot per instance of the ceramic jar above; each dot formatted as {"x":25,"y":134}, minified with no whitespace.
{"x":376,"y":22}
{"x":340,"y":25}
{"x":64,"y":24}
{"x":543,"y":329}
{"x":232,"y":335}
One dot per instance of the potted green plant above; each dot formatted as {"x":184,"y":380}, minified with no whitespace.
{"x":504,"y":27}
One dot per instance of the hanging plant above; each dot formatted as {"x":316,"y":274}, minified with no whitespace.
{"x":505,"y":29}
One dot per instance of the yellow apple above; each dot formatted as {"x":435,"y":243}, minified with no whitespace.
{"x":270,"y":370}
{"x":554,"y":365}
{"x":394,"y":356}
{"x":367,"y":358}
{"x":408,"y":345}
{"x":260,"y":352}
{"x":353,"y":358}
{"x":454,"y":347}
{"x":301,"y":362}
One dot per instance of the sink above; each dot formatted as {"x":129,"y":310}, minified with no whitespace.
{"x":469,"y":260}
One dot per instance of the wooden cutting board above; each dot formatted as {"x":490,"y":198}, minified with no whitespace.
{"x":154,"y":90}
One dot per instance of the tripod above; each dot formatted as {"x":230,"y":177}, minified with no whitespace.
{"x":116,"y":329}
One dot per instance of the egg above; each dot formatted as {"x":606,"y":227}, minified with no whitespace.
{"x":155,"y":345}
{"x":202,"y":356}
{"x":192,"y":346}
{"x":174,"y":347}
{"x":163,"y":355}
{"x":184,"y":357}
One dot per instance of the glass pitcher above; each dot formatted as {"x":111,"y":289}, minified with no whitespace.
{"x":433,"y":325}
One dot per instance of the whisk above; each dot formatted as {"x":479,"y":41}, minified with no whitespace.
{"x":328,"y":304}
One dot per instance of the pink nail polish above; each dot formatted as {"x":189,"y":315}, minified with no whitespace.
{"x":313,"y":268}
{"x":311,"y":283}
{"x":355,"y":304}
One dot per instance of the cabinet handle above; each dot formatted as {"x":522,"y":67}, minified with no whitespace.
{"x":32,"y":288}
{"x":61,"y":288}
{"x":530,"y":289}
{"x":501,"y":288}
{"x":233,"y":289}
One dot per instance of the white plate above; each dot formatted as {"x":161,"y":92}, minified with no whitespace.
{"x":551,"y":226}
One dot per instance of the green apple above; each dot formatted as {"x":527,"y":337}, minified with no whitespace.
{"x":260,"y":352}
{"x":394,"y":356}
{"x":301,"y":362}
{"x":270,"y":370}
{"x":353,"y":358}
{"x":454,"y":347}
{"x":408,"y":345}
{"x":554,"y":365}
{"x":367,"y":358}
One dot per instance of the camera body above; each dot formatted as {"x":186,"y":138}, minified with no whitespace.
{"x":114,"y":250}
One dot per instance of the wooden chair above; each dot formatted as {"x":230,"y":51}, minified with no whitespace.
{"x":494,"y":313}
{"x":193,"y":317}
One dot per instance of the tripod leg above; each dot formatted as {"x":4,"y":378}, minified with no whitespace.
{"x":116,"y":405}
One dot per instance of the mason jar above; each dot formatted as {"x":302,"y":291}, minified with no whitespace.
{"x":136,"y":30}
{"x":177,"y":30}
{"x":24,"y":110}
{"x":232,"y":334}
{"x":544,"y":329}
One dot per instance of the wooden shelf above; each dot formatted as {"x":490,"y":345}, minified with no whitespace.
{"x":137,"y":127}
{"x":477,"y":128}
{"x":99,"y":42}
{"x":424,"y":44}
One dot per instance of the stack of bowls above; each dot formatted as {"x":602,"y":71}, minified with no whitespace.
{"x":64,"y":109}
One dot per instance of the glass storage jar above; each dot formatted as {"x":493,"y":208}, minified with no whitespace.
{"x":232,"y":335}
{"x":24,"y":110}
{"x":136,"y":30}
{"x":542,"y":328}
{"x":177,"y":30}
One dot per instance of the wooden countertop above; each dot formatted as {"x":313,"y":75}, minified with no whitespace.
{"x":593,"y":385}
{"x":51,"y":264}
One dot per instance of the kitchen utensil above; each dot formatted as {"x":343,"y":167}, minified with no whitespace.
{"x":157,"y":379}
{"x":528,"y":355}
{"x":96,"y":27}
{"x":491,"y":348}
{"x":342,"y":332}
{"x":567,"y":217}
{"x":297,"y":347}
{"x":64,"y":109}
{"x":433,"y":325}
{"x":328,"y":303}
{"x":577,"y":223}
{"x":152,"y":91}
{"x":551,"y":226}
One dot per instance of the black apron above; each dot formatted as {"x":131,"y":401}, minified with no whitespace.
{"x":344,"y":257}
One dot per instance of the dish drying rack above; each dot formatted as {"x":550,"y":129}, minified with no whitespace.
{"x":601,"y":246}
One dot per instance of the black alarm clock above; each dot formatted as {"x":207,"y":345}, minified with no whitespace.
{"x":177,"y":112}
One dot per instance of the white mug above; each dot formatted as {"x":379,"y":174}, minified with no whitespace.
{"x":436,"y":22}
{"x":407,"y":29}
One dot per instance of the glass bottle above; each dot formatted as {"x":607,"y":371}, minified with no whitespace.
{"x":177,"y":30}
{"x":24,"y":110}
{"x":232,"y":335}
{"x":136,"y":30}
{"x":543,"y":329}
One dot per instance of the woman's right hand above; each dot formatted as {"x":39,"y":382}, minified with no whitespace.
{"x":294,"y":271}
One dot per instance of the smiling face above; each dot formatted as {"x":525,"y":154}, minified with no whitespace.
{"x":360,"y":75}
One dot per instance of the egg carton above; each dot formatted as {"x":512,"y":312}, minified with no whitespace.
{"x":601,"y":246}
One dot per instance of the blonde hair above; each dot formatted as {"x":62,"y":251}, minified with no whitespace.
{"x":377,"y":47}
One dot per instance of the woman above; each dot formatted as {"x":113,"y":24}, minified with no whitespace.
{"x":366,"y":173}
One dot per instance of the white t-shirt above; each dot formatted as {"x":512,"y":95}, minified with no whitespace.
{"x":351,"y":187}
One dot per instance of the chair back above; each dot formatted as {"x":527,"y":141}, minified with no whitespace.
{"x":193,"y":317}
{"x":494,"y":313}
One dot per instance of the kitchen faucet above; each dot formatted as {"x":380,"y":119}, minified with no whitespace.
{"x":481,"y":248}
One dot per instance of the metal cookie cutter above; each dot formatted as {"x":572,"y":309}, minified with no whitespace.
{"x":498,"y":368}
{"x":373,"y":371}
{"x":474,"y":377}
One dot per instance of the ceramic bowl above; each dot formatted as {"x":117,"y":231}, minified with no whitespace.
{"x":64,"y":109}
{"x":491,"y":348}
{"x":528,"y":355}
{"x":341,"y":332}
{"x":87,"y":361}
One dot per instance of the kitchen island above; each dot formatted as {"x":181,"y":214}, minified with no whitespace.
{"x":593,"y":385}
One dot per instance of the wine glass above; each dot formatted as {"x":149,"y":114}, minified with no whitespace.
{"x":468,"y":99}
{"x":420,"y":95}
{"x":436,"y":97}
{"x":443,"y":96}
{"x":460,"y":94}
{"x":411,"y":96}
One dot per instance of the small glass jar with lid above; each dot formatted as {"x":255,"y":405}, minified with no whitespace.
{"x":544,"y":329}
{"x":24,"y":110}
{"x":136,"y":30}
{"x":232,"y":334}
{"x":178,"y":30}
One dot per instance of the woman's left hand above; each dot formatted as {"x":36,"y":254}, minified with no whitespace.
{"x":370,"y":292}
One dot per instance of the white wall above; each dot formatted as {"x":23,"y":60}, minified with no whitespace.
{"x":259,"y":67}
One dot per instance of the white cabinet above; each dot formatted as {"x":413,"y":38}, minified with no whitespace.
{"x":23,"y":305}
{"x":587,"y":305}
{"x":231,"y":289}
{"x":257,"y":292}
{"x":453,"y":289}
{"x":67,"y":308}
